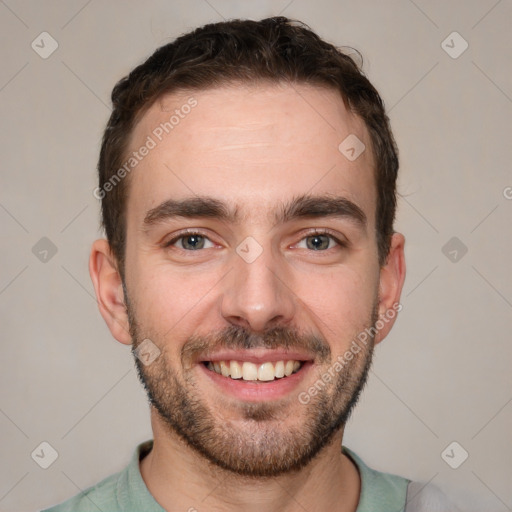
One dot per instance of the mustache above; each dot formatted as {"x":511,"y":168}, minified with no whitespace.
{"x":235,"y":337}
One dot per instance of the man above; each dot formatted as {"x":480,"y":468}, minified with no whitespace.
{"x":248,"y":178}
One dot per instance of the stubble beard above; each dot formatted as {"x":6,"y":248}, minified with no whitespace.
{"x":260,"y":442}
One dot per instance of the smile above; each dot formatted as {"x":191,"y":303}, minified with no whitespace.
{"x":248,"y":371}
{"x":257,"y":374}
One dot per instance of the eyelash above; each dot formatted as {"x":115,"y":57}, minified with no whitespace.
{"x":329,"y":233}
{"x":183,"y":234}
{"x":186,"y":233}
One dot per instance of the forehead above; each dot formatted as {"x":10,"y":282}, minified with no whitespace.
{"x":249,"y":146}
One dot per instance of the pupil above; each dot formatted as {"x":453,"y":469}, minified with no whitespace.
{"x":319,"y":242}
{"x":193,"y":241}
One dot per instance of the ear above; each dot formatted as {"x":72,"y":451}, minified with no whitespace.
{"x":109,"y":290}
{"x":392,"y":276}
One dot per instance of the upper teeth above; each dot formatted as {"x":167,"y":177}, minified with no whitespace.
{"x":250,"y":371}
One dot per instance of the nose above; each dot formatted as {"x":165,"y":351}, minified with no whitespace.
{"x":256,"y":294}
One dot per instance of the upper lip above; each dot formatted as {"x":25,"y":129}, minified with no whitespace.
{"x":257,"y":356}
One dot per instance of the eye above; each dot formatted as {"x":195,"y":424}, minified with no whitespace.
{"x":319,"y":241}
{"x":190,"y":242}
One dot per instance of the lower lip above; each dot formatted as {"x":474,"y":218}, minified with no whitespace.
{"x":255,"y":391}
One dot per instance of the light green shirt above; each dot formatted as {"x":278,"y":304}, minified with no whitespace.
{"x":126,"y":491}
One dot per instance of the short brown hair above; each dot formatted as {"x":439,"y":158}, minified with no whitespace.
{"x":275,"y":50}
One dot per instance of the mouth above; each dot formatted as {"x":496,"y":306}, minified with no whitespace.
{"x":248,"y":371}
{"x":255,"y":375}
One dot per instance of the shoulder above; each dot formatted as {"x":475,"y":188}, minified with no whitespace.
{"x":388,"y":492}
{"x":122,"y":491}
{"x":381,"y":491}
{"x":101,"y":496}
{"x":424,"y":497}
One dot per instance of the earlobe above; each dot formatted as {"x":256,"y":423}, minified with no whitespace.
{"x":109,"y":290}
{"x":392,"y":277}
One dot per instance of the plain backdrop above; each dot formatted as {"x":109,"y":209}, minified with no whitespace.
{"x":443,"y":374}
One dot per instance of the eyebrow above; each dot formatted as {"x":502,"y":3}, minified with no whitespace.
{"x":308,"y":206}
{"x":301,"y":207}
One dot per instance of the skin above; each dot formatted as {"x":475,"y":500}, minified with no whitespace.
{"x":255,"y":147}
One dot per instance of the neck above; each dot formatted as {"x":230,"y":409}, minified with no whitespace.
{"x":181,"y":479}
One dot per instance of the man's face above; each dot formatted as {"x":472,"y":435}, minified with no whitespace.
{"x":271,"y":259}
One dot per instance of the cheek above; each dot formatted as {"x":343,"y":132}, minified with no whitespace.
{"x":345,"y":288}
{"x":340,"y":303}
{"x":168,"y":297}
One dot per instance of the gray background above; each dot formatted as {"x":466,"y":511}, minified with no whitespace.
{"x":442,"y":375}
